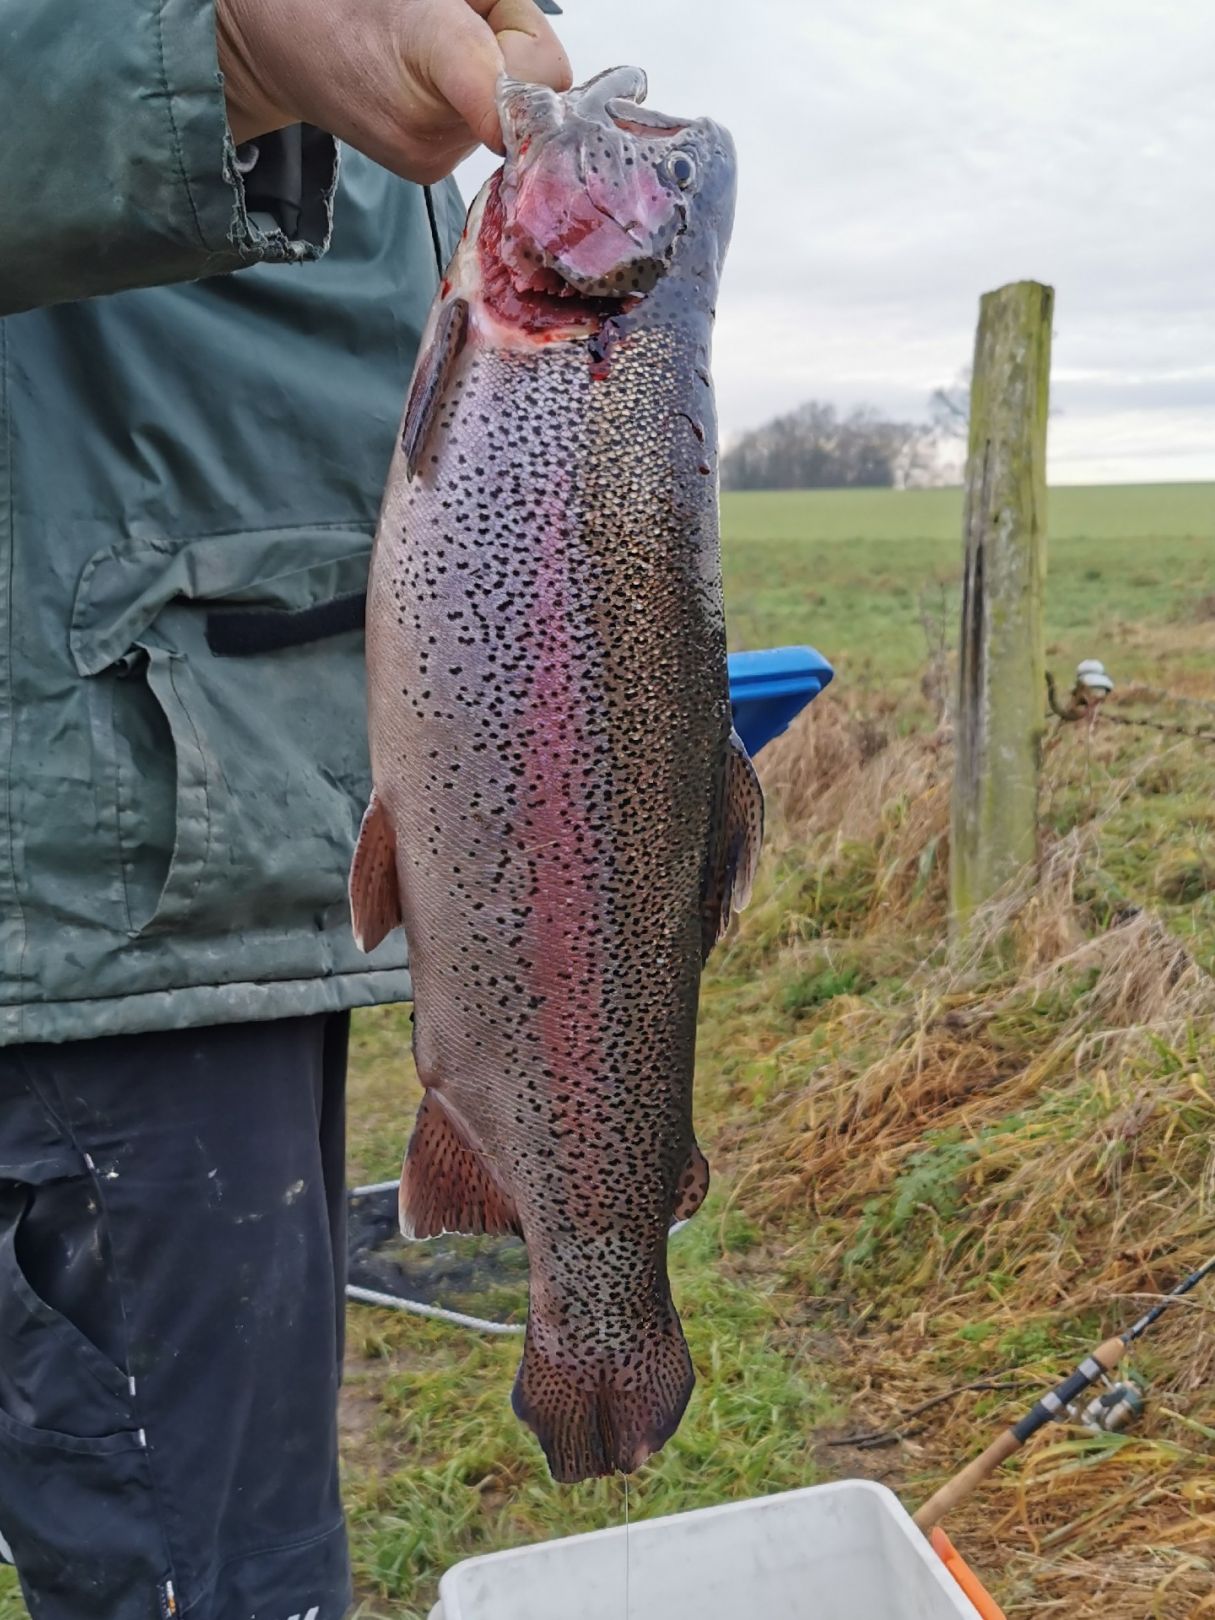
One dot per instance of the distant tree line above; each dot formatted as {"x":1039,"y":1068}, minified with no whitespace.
{"x":814,"y":447}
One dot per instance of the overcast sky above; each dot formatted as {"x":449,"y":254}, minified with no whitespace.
{"x":900,"y":157}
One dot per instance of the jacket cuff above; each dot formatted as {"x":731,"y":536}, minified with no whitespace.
{"x":281,"y":208}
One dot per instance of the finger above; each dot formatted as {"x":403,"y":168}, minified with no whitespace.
{"x":465,"y":62}
{"x":531,"y":49}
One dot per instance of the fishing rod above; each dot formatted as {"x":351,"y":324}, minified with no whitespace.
{"x":1099,"y":1364}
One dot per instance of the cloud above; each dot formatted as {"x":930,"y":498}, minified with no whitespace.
{"x":896,"y":161}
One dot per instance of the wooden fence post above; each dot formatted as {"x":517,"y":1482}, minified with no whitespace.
{"x":1001,"y":692}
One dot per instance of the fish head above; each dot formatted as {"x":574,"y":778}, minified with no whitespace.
{"x":605,"y":195}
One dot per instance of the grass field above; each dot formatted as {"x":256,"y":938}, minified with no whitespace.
{"x":851,"y":572}
{"x":1110,"y":512}
{"x":928,"y":1168}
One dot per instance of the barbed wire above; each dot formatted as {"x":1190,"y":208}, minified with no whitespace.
{"x":1136,"y":691}
{"x":1087,"y":708}
{"x":1159,"y":725}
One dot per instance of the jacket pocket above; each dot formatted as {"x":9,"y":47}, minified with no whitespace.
{"x":237,"y":781}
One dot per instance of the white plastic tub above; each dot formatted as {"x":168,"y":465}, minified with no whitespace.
{"x":846,"y":1551}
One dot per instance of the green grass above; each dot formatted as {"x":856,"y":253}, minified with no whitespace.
{"x":787,"y":1317}
{"x":1157,"y":839}
{"x":442,"y":1470}
{"x":1108,"y":512}
{"x":447,"y":1472}
{"x":852,"y":571}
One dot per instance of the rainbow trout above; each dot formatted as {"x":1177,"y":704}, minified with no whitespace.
{"x":562,"y":817}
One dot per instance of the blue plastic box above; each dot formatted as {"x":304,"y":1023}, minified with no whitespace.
{"x":769,"y":689}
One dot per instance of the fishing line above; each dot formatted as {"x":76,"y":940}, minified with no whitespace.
{"x":627,"y":1571}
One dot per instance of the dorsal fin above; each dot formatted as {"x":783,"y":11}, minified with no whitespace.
{"x":693,"y":1185}
{"x":737,"y":841}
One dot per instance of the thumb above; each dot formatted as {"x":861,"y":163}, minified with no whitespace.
{"x":465,"y":67}
{"x":532,"y":52}
{"x":522,"y":44}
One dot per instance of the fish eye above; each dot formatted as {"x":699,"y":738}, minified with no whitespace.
{"x":682,"y":169}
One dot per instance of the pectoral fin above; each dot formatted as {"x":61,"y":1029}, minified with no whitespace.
{"x":430,"y":380}
{"x":740,"y":834}
{"x":447,"y":1184}
{"x":375,"y":900}
{"x":693,"y":1185}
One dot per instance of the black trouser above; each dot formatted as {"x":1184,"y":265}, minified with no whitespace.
{"x":172,"y":1262}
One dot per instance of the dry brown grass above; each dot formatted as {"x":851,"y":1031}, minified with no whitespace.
{"x":839,"y":767}
{"x":844,"y":789}
{"x":988,"y":1167}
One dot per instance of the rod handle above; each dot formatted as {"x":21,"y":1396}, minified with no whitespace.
{"x":957,"y":1489}
{"x":1110,"y":1353}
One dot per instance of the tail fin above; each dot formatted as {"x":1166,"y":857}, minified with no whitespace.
{"x":604,"y":1416}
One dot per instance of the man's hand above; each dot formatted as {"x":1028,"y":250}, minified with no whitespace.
{"x":408,"y":82}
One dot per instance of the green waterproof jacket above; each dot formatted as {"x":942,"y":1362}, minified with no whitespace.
{"x":184,"y":462}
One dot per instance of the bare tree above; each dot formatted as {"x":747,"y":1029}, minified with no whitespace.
{"x":949,"y":408}
{"x":813,"y":447}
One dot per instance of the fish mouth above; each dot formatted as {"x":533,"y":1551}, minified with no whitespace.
{"x":527,"y":292}
{"x":591,"y":201}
